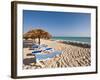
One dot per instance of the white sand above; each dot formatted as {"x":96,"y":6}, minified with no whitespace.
{"x":72,"y":56}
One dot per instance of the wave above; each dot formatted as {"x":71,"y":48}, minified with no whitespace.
{"x":75,"y":43}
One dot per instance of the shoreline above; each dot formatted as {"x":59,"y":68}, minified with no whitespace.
{"x":75,"y":43}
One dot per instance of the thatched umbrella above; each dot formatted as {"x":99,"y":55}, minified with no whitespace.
{"x":32,"y":34}
{"x":46,"y":35}
{"x":27,"y":36}
{"x":40,"y":33}
{"x":37,"y":33}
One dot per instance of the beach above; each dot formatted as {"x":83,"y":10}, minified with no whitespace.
{"x":71,"y":56}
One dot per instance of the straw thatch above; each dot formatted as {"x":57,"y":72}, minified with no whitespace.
{"x":37,"y":33}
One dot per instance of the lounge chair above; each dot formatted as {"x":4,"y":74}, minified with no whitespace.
{"x":34,"y":46}
{"x":43,"y":45}
{"x":44,"y":48}
{"x":47,"y":56}
{"x":34,"y":52}
{"x":48,"y":48}
{"x":27,"y":61}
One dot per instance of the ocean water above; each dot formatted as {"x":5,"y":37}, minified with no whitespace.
{"x":74,"y":39}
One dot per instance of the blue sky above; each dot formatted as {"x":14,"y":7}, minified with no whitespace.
{"x":58,"y":23}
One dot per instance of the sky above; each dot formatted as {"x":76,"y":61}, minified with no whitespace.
{"x":69,"y":24}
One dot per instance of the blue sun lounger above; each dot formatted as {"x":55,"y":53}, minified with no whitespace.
{"x":35,"y":46}
{"x":34,"y":52}
{"x":43,"y":48}
{"x":43,"y":45}
{"x":48,"y":48}
{"x":40,"y":50}
{"x":46,"y":56}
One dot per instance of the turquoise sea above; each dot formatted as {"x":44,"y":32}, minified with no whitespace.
{"x":74,"y":39}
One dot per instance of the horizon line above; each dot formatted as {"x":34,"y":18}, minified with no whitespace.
{"x":71,"y":36}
